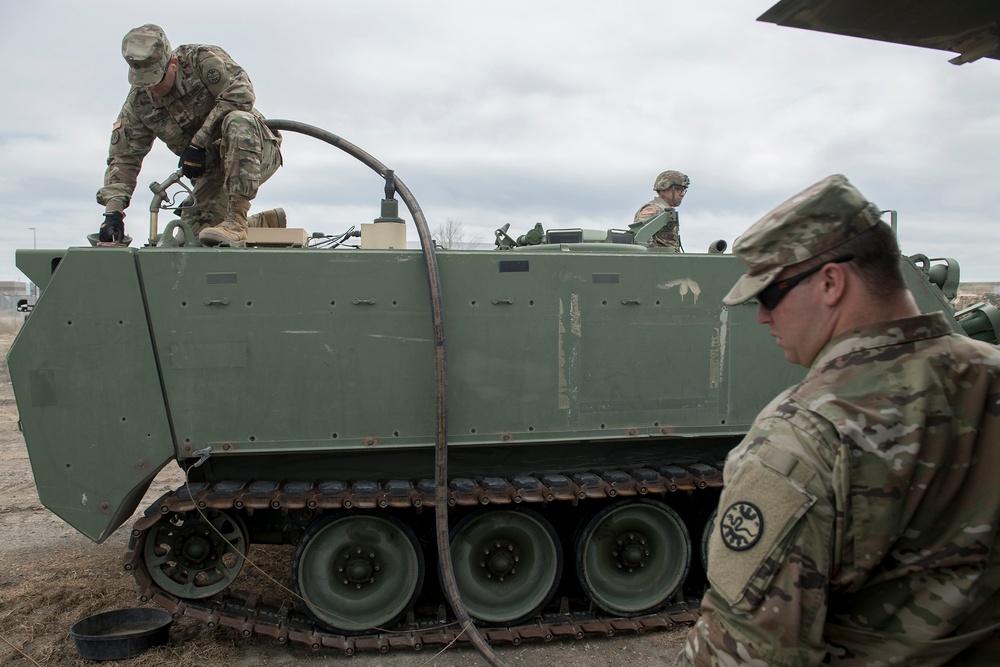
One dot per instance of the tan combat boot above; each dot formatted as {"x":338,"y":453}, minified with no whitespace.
{"x":232,"y":231}
{"x":273,"y":217}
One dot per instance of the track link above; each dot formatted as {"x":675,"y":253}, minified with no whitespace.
{"x":250,"y":613}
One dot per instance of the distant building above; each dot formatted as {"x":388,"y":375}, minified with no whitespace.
{"x":13,"y":287}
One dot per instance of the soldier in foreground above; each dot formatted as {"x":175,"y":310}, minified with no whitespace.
{"x":670,"y":187}
{"x":200,"y":103}
{"x":859,"y":520}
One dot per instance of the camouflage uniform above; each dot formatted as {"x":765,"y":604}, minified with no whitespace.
{"x":210,"y":104}
{"x":669,"y":236}
{"x":858,"y":521}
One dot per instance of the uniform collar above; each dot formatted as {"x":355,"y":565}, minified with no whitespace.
{"x":884,"y":334}
{"x":176,"y":92}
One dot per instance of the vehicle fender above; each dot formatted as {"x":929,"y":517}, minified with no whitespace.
{"x":88,"y":391}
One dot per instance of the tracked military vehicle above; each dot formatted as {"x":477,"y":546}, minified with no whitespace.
{"x":559,"y":406}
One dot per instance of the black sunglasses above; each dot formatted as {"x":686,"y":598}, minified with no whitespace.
{"x":771,"y":296}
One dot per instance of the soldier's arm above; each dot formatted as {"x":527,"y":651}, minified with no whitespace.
{"x":645,"y":214}
{"x":770,"y":555}
{"x":130,"y":143}
{"x":230,"y":86}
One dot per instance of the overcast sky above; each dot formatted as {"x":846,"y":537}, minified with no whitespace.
{"x":519,"y":112}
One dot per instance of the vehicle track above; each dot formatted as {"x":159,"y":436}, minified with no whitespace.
{"x":285,"y":620}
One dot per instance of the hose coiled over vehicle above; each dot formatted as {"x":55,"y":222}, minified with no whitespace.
{"x":440,"y":377}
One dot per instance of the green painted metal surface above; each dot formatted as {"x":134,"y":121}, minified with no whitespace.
{"x":316,"y":350}
{"x":88,"y":391}
{"x":299,"y":362}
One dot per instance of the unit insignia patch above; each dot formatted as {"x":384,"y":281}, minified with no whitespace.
{"x":741,"y":526}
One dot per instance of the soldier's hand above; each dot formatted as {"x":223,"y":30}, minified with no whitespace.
{"x":113,"y":228}
{"x":192,"y":162}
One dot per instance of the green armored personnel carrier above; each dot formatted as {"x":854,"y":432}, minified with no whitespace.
{"x":536,"y":431}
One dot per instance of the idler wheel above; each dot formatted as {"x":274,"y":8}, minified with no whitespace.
{"x":191,"y":555}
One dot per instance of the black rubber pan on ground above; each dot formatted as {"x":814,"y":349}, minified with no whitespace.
{"x":121,"y":634}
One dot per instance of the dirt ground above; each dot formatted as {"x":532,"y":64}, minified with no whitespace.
{"x":52,"y":576}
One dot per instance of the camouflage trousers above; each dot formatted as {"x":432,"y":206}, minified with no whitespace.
{"x":247,"y":155}
{"x":668,"y":237}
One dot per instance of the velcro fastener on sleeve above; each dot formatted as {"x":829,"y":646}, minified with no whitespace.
{"x":761,"y":504}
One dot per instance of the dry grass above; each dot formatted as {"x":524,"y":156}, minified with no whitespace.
{"x":10,"y":324}
{"x":43,"y":594}
{"x":40,"y":592}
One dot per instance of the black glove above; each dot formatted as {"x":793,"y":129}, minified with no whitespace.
{"x":113,"y":228}
{"x":192,"y":162}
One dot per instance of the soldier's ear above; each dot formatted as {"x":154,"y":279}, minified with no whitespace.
{"x":834,"y":278}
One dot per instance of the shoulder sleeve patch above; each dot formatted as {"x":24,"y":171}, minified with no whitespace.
{"x":759,"y":507}
{"x":213,"y":71}
{"x":741,"y":525}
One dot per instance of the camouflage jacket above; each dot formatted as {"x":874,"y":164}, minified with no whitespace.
{"x":669,"y":236}
{"x":858,"y":521}
{"x":208,"y":86}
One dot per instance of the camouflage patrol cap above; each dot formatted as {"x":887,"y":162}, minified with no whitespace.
{"x":815,"y":221}
{"x":147,"y":52}
{"x":671,"y":177}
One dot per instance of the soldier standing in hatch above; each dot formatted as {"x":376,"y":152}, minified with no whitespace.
{"x":670,"y":187}
{"x":200,"y":103}
{"x":859,"y":521}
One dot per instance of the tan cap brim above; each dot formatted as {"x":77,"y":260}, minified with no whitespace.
{"x":149,"y":76}
{"x":747,"y":287}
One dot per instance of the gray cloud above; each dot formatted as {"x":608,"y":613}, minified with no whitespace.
{"x":521,"y":112}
